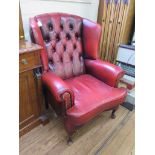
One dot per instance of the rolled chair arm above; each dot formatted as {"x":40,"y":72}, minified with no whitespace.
{"x":59,"y":89}
{"x":105,"y":71}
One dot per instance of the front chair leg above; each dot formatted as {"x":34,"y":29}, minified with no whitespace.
{"x":69,"y":140}
{"x":70,"y":128}
{"x":113,"y":116}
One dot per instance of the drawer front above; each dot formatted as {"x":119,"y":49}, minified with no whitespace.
{"x":29,"y":60}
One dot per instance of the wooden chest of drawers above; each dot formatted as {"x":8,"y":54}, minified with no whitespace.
{"x":30,"y":112}
{"x":28,"y":61}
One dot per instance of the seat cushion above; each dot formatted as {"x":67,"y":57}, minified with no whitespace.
{"x":92,"y":96}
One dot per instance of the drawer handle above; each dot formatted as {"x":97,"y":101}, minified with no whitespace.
{"x":24,"y":61}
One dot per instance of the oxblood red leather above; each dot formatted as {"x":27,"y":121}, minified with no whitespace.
{"x":56,"y":86}
{"x":82,"y":85}
{"x":92,"y":96}
{"x":91,"y":38}
{"x":36,"y":37}
{"x":61,"y":35}
{"x":105,"y":71}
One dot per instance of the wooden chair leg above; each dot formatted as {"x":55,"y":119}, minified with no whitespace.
{"x":113,"y":116}
{"x":69,"y":140}
{"x":70,"y":128}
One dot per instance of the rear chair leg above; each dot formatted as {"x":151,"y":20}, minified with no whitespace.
{"x":113,"y":116}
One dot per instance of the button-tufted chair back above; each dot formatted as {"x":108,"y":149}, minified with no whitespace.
{"x":62,"y":38}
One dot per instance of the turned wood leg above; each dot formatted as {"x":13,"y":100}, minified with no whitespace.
{"x":70,"y":128}
{"x":113,"y":116}
{"x":69,"y":140}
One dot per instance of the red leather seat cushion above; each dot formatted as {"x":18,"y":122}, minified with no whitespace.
{"x":92,"y":96}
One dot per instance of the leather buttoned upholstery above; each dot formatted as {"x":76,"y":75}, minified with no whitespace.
{"x":81,"y":85}
{"x":62,"y":35}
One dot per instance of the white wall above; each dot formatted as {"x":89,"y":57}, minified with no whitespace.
{"x":84,"y":8}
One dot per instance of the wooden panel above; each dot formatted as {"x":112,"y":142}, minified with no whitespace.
{"x":30,"y":114}
{"x":100,"y":11}
{"x":117,"y":19}
{"x":116,"y":16}
{"x":28,"y":110}
{"x":29,"y":60}
{"x":102,"y":20}
{"x":21,"y":30}
{"x":26,"y":47}
{"x":111,"y":23}
{"x":118,"y":31}
{"x":129,"y":23}
{"x":29,"y":57}
{"x":105,"y":35}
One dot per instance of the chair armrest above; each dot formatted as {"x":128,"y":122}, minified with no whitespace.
{"x":59,"y":89}
{"x":105,"y":71}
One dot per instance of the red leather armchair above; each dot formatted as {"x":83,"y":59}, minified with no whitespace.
{"x":80,"y":84}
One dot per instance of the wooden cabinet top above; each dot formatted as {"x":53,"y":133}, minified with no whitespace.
{"x":25,"y":46}
{"x":29,"y":56}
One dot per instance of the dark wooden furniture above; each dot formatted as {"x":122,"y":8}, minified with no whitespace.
{"x":30,"y":94}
